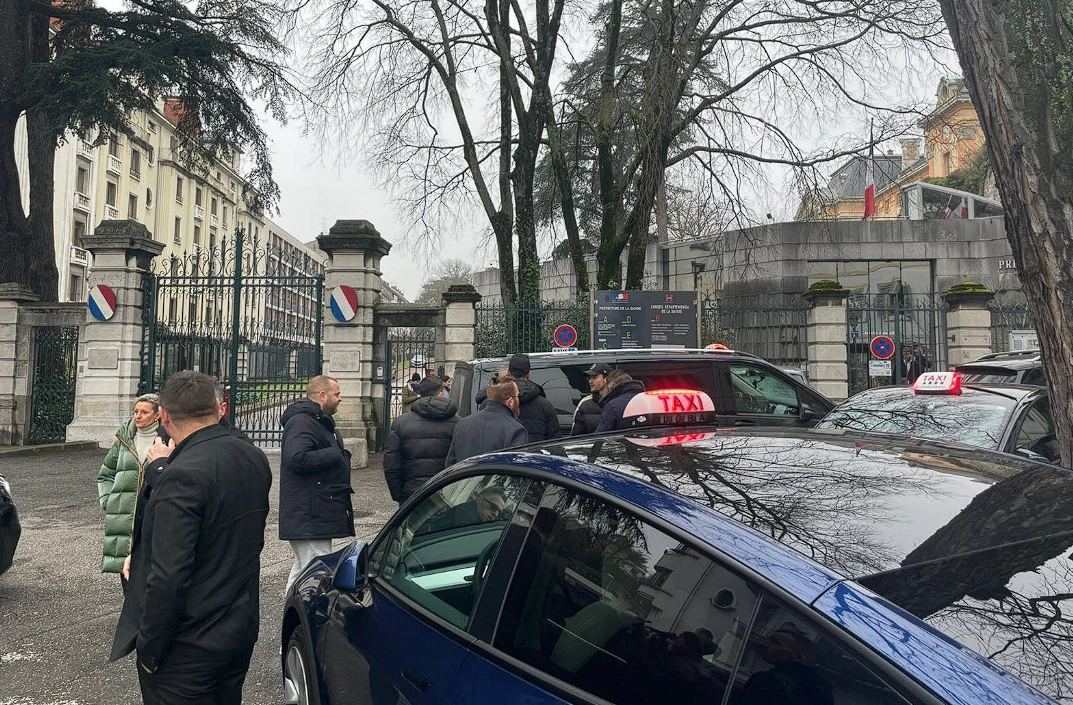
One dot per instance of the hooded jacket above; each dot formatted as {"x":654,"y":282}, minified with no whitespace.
{"x":118,"y":483}
{"x":314,"y":477}
{"x":588,"y":414}
{"x":417,"y":445}
{"x":615,"y":406}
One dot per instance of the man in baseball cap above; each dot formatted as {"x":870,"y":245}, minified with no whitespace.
{"x":537,"y":414}
{"x":588,"y":413}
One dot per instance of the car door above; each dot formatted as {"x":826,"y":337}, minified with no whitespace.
{"x":761,"y":396}
{"x":403,"y":639}
{"x":1034,"y":435}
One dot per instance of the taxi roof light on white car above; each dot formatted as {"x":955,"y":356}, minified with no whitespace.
{"x":938,"y":383}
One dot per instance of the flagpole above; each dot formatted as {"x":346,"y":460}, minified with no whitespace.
{"x":870,"y":175}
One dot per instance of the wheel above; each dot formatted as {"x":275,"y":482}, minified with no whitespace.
{"x":298,"y":685}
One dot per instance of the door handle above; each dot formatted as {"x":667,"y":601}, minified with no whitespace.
{"x":416,"y":681}
{"x":744,"y":423}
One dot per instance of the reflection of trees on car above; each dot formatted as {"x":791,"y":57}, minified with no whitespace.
{"x":992,"y":577}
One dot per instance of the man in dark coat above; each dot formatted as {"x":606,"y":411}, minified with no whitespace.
{"x":314,"y":476}
{"x":912,"y":367}
{"x":494,"y":427}
{"x":622,"y":388}
{"x":589,"y":412}
{"x":418,"y":441}
{"x":536,"y":413}
{"x":192,"y":607}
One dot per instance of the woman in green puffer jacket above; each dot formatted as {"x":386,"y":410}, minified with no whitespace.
{"x":120,"y":479}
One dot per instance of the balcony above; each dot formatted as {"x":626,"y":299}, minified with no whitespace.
{"x":111,"y":213}
{"x":85,"y":149}
{"x":199,"y":212}
{"x":215,"y":221}
{"x":135,"y":174}
{"x":79,"y":256}
{"x":115,"y":165}
{"x":82,"y":202}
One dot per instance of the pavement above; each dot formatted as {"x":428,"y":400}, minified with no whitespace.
{"x":58,"y":611}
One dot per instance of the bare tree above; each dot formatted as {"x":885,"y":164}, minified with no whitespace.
{"x":441,"y":277}
{"x":1017,"y":59}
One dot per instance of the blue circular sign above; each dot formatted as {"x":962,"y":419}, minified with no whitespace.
{"x":565,"y":336}
{"x":882,"y":347}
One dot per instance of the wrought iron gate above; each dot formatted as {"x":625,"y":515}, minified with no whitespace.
{"x":248,"y":315}
{"x":52,"y":399}
{"x":410,"y":351}
{"x":909,"y":320}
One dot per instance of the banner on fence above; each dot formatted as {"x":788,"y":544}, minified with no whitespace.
{"x":646,"y":319}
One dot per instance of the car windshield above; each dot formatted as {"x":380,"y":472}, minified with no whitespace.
{"x":978,"y":545}
{"x":973,"y":418}
{"x":987,"y":375}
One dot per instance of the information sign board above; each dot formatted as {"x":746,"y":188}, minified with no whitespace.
{"x":646,"y":319}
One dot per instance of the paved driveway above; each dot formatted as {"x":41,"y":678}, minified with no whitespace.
{"x":58,"y":611}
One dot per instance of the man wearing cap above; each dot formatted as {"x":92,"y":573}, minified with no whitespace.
{"x":537,"y":414}
{"x":417,"y":444}
{"x":588,"y":413}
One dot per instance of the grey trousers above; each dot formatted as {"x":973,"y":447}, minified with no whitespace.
{"x":304,"y":552}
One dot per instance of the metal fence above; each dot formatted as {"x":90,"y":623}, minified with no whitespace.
{"x":524,"y":328}
{"x":909,"y":320}
{"x":772,"y":327}
{"x":52,"y":397}
{"x":1007,"y":320}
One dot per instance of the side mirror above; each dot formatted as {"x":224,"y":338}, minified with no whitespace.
{"x":353,"y":569}
{"x":807,"y":412}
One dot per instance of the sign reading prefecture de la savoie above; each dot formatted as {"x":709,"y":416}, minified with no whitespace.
{"x":646,"y":319}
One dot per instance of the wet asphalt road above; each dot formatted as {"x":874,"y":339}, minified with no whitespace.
{"x":58,"y":611}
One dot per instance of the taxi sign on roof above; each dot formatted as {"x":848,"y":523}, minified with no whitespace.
{"x":676,"y":439}
{"x":938,"y":383}
{"x":664,"y":407}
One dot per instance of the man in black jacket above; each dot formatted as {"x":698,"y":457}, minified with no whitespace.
{"x":494,"y":427}
{"x":621,"y":389}
{"x":192,"y":607}
{"x":590,"y":409}
{"x":418,"y":442}
{"x":536,"y":413}
{"x":314,"y":476}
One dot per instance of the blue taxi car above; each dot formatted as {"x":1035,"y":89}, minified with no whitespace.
{"x":692,"y":565}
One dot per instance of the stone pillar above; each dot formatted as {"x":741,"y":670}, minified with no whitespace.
{"x":14,"y":367}
{"x":355,"y":249}
{"x":460,"y":326}
{"x":968,"y":324}
{"x":828,"y":369}
{"x":109,"y":352}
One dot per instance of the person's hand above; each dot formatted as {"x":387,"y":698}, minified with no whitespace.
{"x":126,"y":568}
{"x":159,"y":450}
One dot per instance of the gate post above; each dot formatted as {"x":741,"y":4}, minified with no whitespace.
{"x":355,"y":249}
{"x":828,"y":369}
{"x":460,"y":326}
{"x":110,"y":352}
{"x":14,"y":367}
{"x":968,"y":322}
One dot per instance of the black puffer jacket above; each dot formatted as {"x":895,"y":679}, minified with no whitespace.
{"x":587,"y":416}
{"x":615,"y":405}
{"x":417,"y":445}
{"x":314,"y":477}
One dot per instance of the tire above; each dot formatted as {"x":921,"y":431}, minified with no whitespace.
{"x":299,"y":685}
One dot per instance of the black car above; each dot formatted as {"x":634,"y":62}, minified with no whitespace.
{"x":10,"y":529}
{"x":747,"y":390}
{"x":1024,"y":367}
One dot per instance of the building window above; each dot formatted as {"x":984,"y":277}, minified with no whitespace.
{"x":132,"y":207}
{"x":197,"y":235}
{"x":225,"y":215}
{"x":75,"y":292}
{"x":178,"y":239}
{"x":113,"y":144}
{"x":197,"y":195}
{"x":79,"y":233}
{"x":152,"y":126}
{"x":212,"y":207}
{"x":111,"y":194}
{"x":149,"y":155}
{"x":947,"y":164}
{"x":81,"y":180}
{"x":135,"y":163}
{"x":178,"y":189}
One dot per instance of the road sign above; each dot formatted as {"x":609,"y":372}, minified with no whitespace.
{"x":854,"y":334}
{"x":879,"y":368}
{"x":565,"y":336}
{"x":882,"y":347}
{"x":101,"y":302}
{"x":344,"y":303}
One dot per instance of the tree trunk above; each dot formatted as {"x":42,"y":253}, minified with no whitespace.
{"x":41,"y":151}
{"x":1016,"y":57}
{"x":566,"y":201}
{"x":14,"y":228}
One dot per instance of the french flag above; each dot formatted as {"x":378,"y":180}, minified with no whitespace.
{"x":870,"y":179}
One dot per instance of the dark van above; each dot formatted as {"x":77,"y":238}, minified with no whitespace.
{"x":747,"y":390}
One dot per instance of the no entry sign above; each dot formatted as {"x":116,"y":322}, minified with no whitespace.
{"x":882,"y":347}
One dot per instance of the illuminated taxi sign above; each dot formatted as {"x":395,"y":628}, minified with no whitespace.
{"x":717,"y":346}
{"x":664,"y":407}
{"x":938,"y":383}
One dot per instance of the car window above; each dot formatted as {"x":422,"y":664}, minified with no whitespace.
{"x":611,"y":605}
{"x":788,"y":660}
{"x":1034,"y":376}
{"x":564,"y":386}
{"x":608,"y":603}
{"x":758,"y":390}
{"x":1037,"y":431}
{"x":438,"y":553}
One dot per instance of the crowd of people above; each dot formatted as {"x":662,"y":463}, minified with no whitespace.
{"x":186,"y":500}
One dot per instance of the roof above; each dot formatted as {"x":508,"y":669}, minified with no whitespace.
{"x":848,"y":180}
{"x":1016,"y":392}
{"x":1026,"y":360}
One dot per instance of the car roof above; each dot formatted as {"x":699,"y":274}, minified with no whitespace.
{"x":630,"y":355}
{"x":1019,"y":360}
{"x":969,"y":390}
